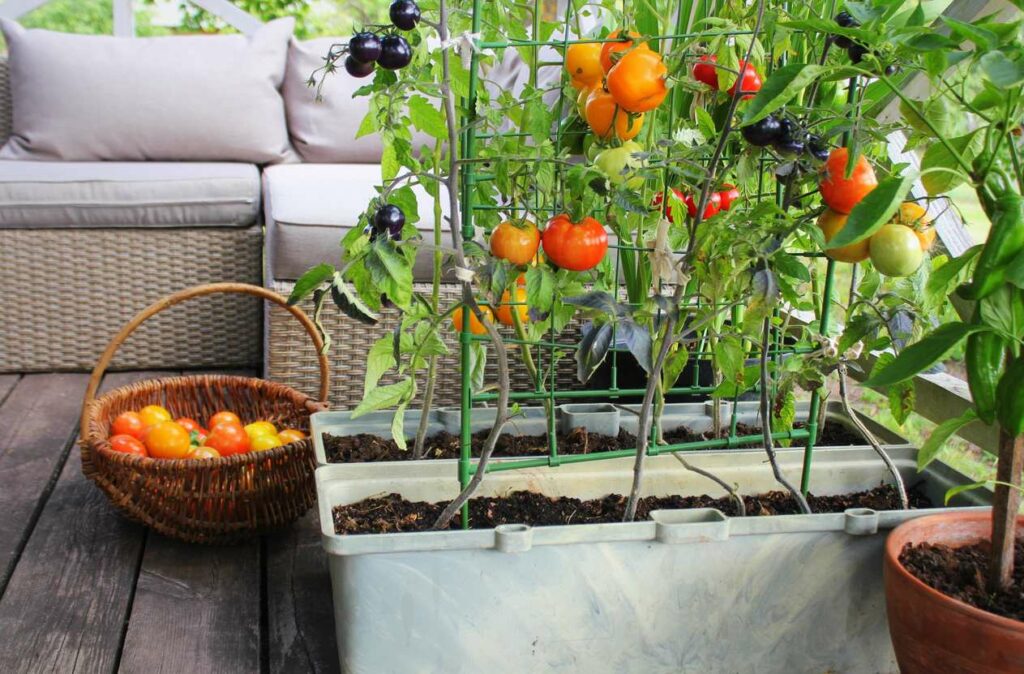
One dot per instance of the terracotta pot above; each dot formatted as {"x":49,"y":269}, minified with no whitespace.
{"x":932,"y":632}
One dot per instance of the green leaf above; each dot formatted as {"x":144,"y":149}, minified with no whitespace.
{"x":389,"y":164}
{"x":398,"y":426}
{"x":477,"y":365}
{"x":368,"y":125}
{"x":674,"y":365}
{"x":780,"y":88}
{"x":349,"y":302}
{"x":310,"y":281}
{"x":593,"y":348}
{"x":960,"y":488}
{"x":383,"y":397}
{"x":983,"y":39}
{"x":705,"y":124}
{"x":902,"y":396}
{"x":790,"y":266}
{"x":379,"y":359}
{"x":942,"y":433}
{"x":540,"y":288}
{"x":874,"y":210}
{"x":427,"y":117}
{"x":1000,"y":70}
{"x":938,"y":156}
{"x":944,"y":279}
{"x":921,"y":355}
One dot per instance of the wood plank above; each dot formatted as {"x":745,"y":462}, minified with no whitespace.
{"x":196,"y":609}
{"x":232,"y":15}
{"x":7,"y":383}
{"x":300,"y":611}
{"x":65,"y":605}
{"x":38,"y":423}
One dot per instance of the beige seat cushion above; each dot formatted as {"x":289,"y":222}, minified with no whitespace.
{"x":181,"y":98}
{"x":310,"y":208}
{"x":42,"y":194}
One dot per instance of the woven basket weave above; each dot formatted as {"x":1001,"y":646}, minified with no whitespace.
{"x":205,"y":500}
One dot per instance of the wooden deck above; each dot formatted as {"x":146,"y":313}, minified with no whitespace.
{"x":84,"y":590}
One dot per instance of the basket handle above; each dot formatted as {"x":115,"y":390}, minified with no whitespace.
{"x":200,"y":291}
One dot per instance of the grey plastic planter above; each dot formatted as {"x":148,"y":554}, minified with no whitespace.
{"x":602,"y":418}
{"x":691,"y":591}
{"x":532,"y":421}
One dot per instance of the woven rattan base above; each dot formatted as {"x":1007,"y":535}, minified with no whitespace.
{"x":65,"y":292}
{"x":291,"y":359}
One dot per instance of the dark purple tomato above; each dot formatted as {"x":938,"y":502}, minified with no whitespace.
{"x":405,"y":14}
{"x":817,"y":148}
{"x":762,"y":132}
{"x":788,"y":130}
{"x":357,"y":68}
{"x":844,"y":20}
{"x":789,"y":146}
{"x":395,"y":52}
{"x":364,"y":47}
{"x":389,"y":218}
{"x":856,"y":52}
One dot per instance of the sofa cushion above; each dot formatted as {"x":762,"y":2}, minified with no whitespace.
{"x":43,"y":194}
{"x":182,"y":98}
{"x":311,"y":207}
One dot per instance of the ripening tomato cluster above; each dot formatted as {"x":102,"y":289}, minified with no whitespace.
{"x":717,"y":202}
{"x":705,"y":70}
{"x":618,"y":81}
{"x":153,"y":431}
{"x":898,"y":248}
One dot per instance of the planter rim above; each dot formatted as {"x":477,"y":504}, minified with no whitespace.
{"x":976,"y":515}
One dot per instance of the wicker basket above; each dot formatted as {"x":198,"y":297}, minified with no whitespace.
{"x":205,"y":500}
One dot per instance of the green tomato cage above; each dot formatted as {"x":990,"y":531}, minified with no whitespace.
{"x":544,"y":351}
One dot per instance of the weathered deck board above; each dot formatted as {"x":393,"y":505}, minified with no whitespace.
{"x":300,"y":615}
{"x":37,"y":425}
{"x":196,"y":609}
{"x":7,"y":382}
{"x":65,"y":605}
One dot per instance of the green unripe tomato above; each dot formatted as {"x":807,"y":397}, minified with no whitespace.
{"x":896,"y":250}
{"x":616,"y":164}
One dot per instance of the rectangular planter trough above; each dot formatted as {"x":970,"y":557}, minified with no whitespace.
{"x":600,"y":418}
{"x":689,"y":591}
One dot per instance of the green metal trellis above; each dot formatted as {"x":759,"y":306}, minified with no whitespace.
{"x":467,"y":466}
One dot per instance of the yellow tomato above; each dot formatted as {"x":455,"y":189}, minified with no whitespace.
{"x":583,"y":62}
{"x":264,"y":442}
{"x":168,"y":440}
{"x":260,"y":428}
{"x":203,"y":453}
{"x":290,"y":435}
{"x":151,"y":415}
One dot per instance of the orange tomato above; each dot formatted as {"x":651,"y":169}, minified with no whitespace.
{"x":831,"y":223}
{"x":290,"y":435}
{"x":516,"y":242}
{"x":915,"y":216}
{"x":475,"y":326}
{"x":203,"y":452}
{"x":637,"y":82}
{"x":128,"y":423}
{"x":609,"y":48}
{"x":840,"y":193}
{"x":504,"y":310}
{"x":602,"y":110}
{"x":168,"y":440}
{"x":151,"y":415}
{"x":224,"y":417}
{"x":128,"y":444}
{"x":228,"y":438}
{"x":577,"y":246}
{"x":583,"y":63}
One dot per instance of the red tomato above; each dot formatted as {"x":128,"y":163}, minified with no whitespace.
{"x":222,"y":417}
{"x":728,"y":195}
{"x":191,"y":425}
{"x":749,"y":81}
{"x":713,"y":206}
{"x":659,"y":197}
{"x":575,"y":246}
{"x":704,"y":70}
{"x":128,"y":423}
{"x":228,"y":439}
{"x":840,"y":193}
{"x":128,"y":444}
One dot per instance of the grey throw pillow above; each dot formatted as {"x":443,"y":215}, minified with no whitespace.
{"x":187,"y":98}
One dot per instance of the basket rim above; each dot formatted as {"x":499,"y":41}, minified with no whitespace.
{"x":97,"y":437}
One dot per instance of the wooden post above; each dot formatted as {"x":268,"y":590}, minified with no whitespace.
{"x":1005,"y":506}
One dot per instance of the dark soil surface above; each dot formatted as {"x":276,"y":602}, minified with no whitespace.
{"x":960,"y":573}
{"x":392,"y":513}
{"x":364,"y":448}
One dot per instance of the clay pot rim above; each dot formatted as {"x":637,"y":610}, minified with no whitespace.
{"x":892,"y":560}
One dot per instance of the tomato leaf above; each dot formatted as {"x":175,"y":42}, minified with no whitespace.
{"x":942,"y":433}
{"x":780,"y":88}
{"x":310,"y":281}
{"x":383,"y":397}
{"x":874,"y":210}
{"x":398,"y":426}
{"x":349,"y":302}
{"x":960,"y":488}
{"x":674,"y":365}
{"x":379,"y":359}
{"x":638,"y":341}
{"x":921,"y":355}
{"x":938,"y":157}
{"x":593,"y":349}
{"x":427,"y":117}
